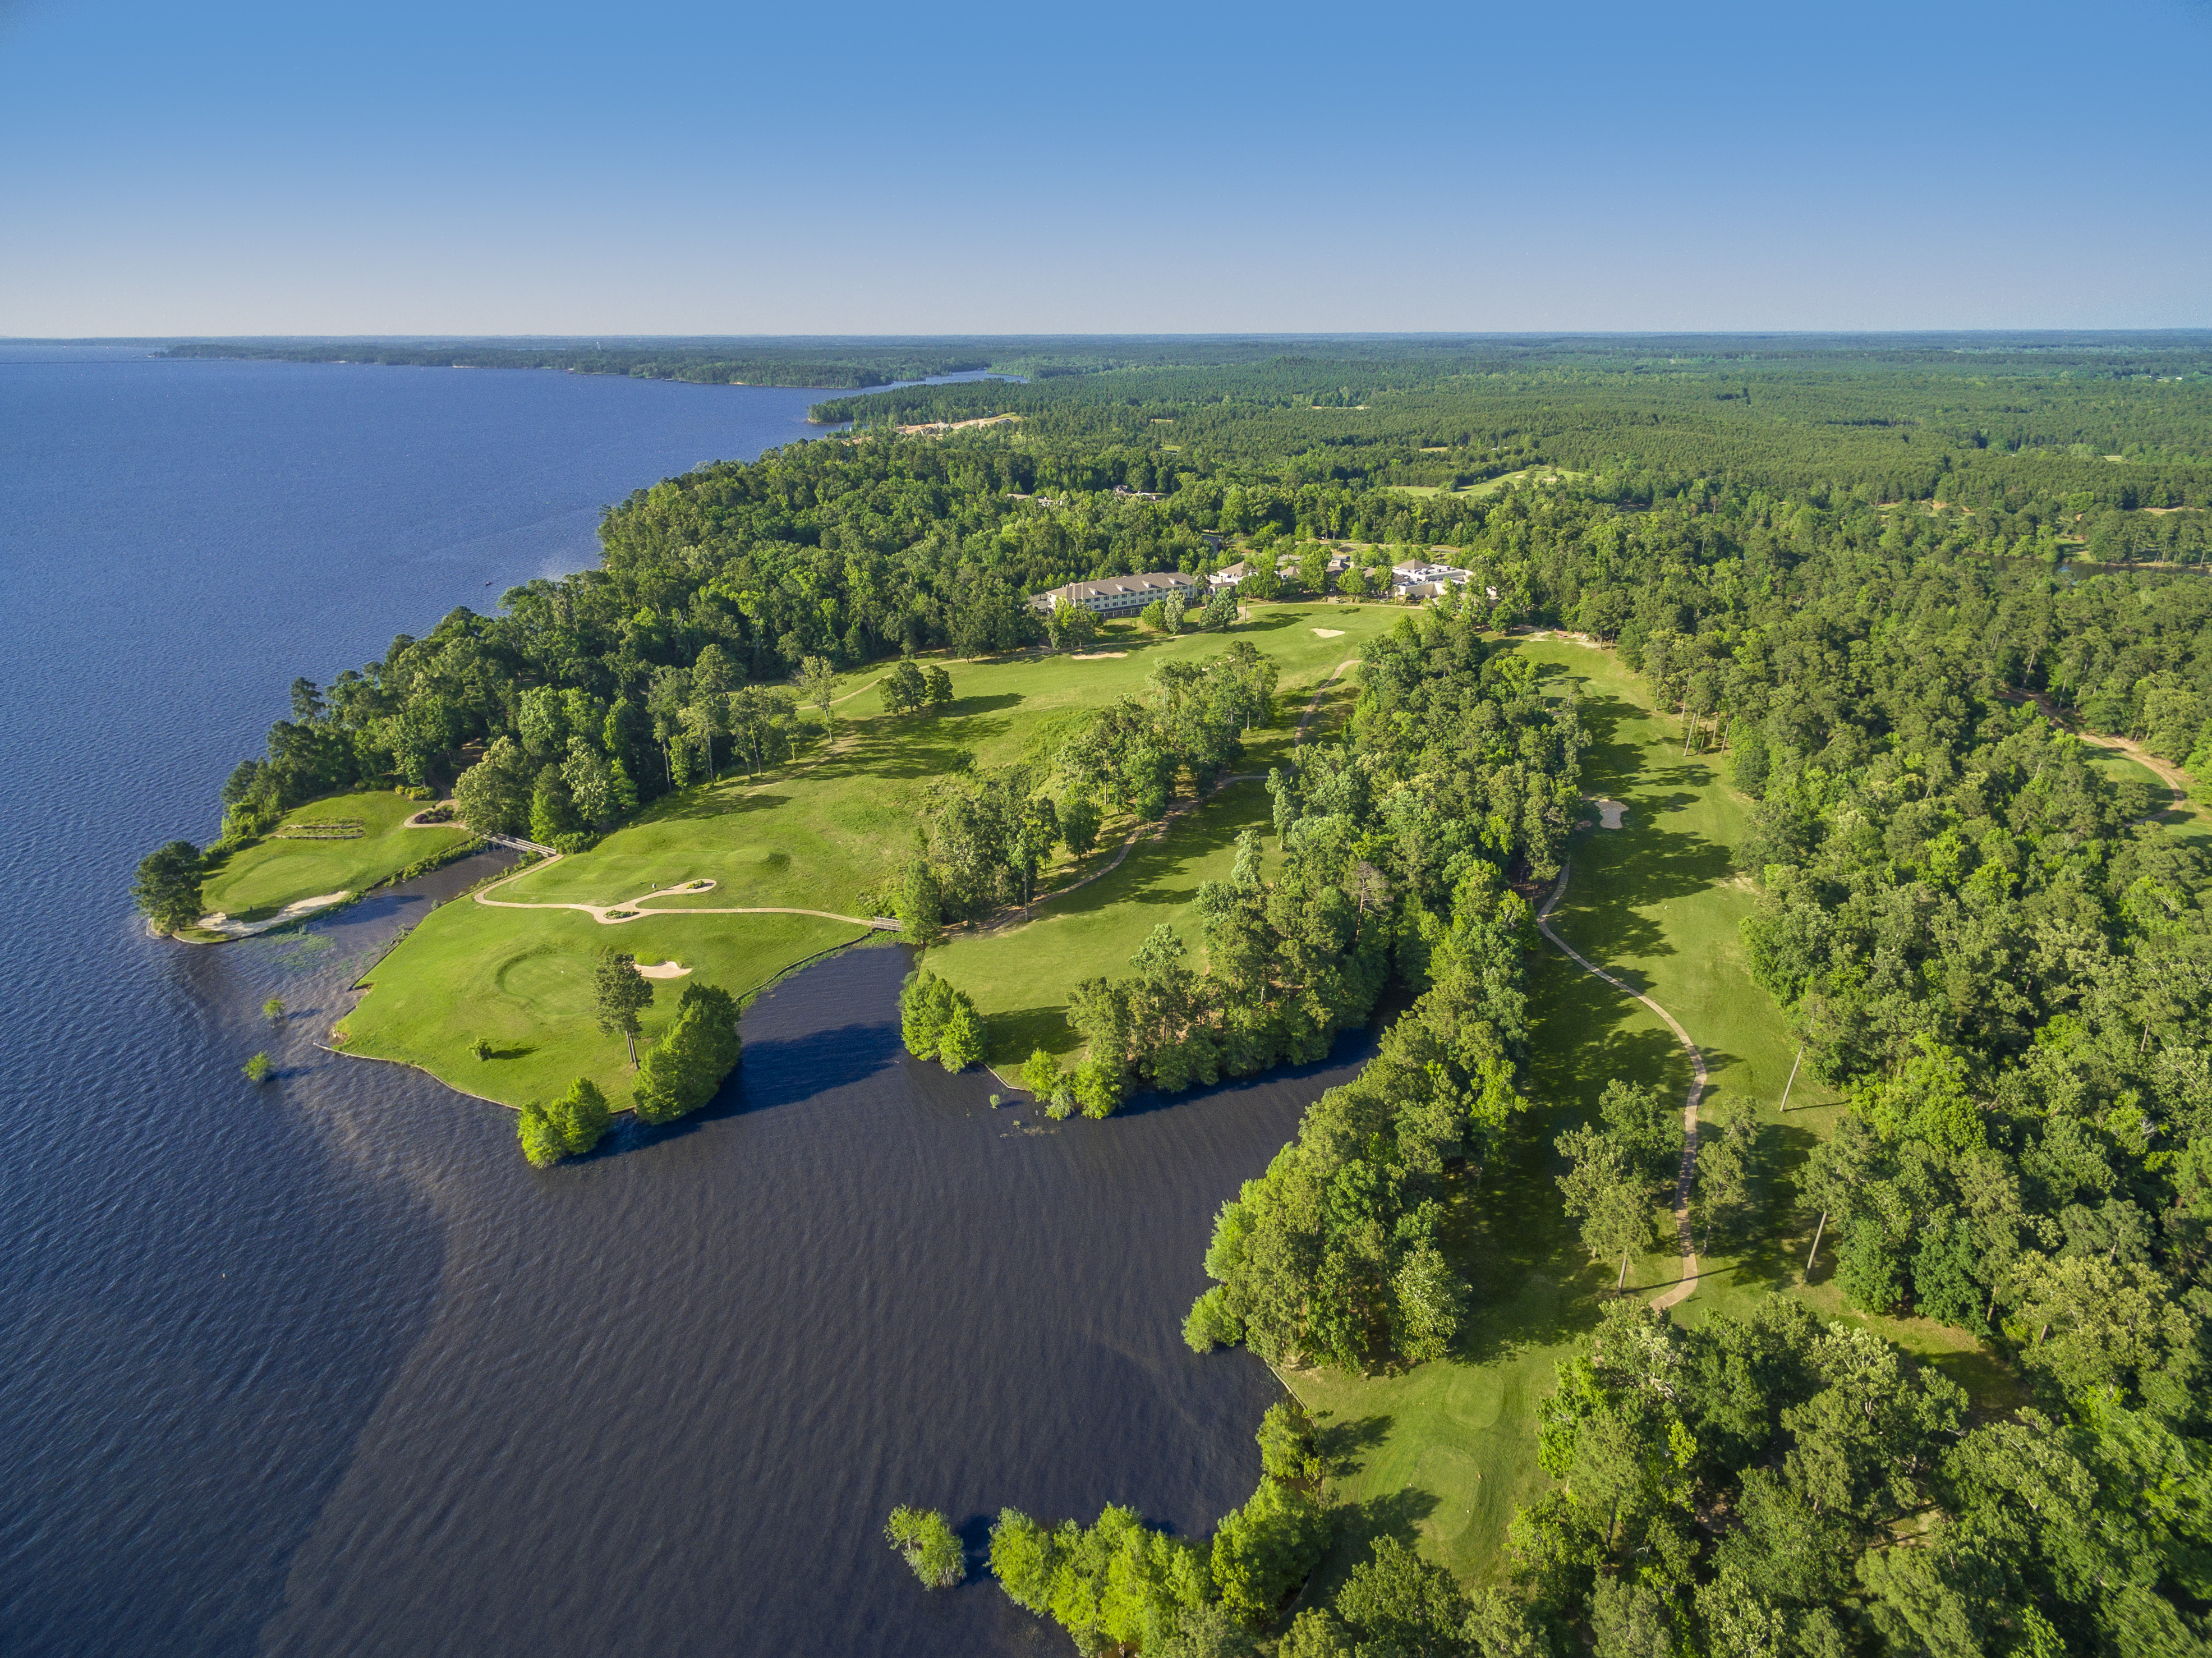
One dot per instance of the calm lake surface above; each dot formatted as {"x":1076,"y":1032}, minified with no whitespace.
{"x":324,"y":1367}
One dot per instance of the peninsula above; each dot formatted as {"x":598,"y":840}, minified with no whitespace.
{"x":1746,"y":791}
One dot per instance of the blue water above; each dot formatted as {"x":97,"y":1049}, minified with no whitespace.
{"x":323,"y":1367}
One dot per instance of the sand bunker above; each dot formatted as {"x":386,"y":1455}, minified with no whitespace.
{"x":1096,"y":656}
{"x":1610,"y":812}
{"x":665,"y":970}
{"x":1329,"y":633}
{"x":220,"y":922}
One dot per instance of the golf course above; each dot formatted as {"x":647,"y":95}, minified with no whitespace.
{"x":494,"y":996}
{"x":1447,"y":1450}
{"x":339,"y":845}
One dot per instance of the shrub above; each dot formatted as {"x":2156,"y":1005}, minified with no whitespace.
{"x":1870,"y":1271}
{"x":1264,"y":1550}
{"x":925,"y":1539}
{"x":960,"y":1044}
{"x":258,"y":1069}
{"x":1099,"y":1087}
{"x":542,"y":1141}
{"x":1041,"y":1074}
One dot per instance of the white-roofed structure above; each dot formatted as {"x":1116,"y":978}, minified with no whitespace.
{"x":1118,"y":595}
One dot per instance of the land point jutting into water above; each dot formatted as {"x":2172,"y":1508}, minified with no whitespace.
{"x":1761,"y":854}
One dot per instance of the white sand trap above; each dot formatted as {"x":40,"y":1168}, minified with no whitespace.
{"x":665,"y":970}
{"x":1329,"y":633}
{"x":1096,"y":656}
{"x":1610,"y":812}
{"x":300,"y":909}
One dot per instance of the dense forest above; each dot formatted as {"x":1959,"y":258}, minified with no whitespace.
{"x":829,"y":364}
{"x":1864,"y":573}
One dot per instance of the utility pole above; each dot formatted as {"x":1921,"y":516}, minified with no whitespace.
{"x":1792,"y":1083}
{"x":1817,"y":1230}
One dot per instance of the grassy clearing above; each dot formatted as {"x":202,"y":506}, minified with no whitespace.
{"x":2186,"y":820}
{"x":255,"y":882}
{"x":828,"y":832}
{"x":1491,"y":486}
{"x":1444,"y":1453}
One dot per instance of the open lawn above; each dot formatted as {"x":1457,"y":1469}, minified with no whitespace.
{"x":829,"y":832}
{"x":1445,"y":1453}
{"x":257,"y":881}
{"x":1491,"y":486}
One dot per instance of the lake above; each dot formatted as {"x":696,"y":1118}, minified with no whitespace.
{"x":324,"y":1367}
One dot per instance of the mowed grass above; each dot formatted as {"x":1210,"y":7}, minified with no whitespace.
{"x":2187,"y":820}
{"x":1019,"y":975}
{"x":1443,"y":1454}
{"x":257,"y":881}
{"x":827,"y":831}
{"x":521,"y":982}
{"x":1491,"y":486}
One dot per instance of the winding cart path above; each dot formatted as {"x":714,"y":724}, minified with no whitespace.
{"x":1682,"y":1290}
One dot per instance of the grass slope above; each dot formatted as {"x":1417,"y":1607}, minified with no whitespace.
{"x":1019,"y":975}
{"x":1444,"y":1453}
{"x":257,"y":881}
{"x":825,"y":832}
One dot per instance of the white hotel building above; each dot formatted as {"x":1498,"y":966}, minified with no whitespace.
{"x":1120,"y":595}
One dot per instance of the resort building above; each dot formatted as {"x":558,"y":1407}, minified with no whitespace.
{"x":1418,"y":580}
{"x":1118,"y":595}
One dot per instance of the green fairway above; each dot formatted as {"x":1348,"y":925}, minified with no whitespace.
{"x":1019,"y":975}
{"x":1491,"y":486}
{"x":1445,"y":1452}
{"x":257,"y":881}
{"x":829,"y":832}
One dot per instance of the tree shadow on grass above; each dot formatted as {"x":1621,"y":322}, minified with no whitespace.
{"x":1150,"y":874}
{"x":693,"y":803}
{"x":1340,"y":1443}
{"x":1394,"y":1514}
{"x":922,"y":751}
{"x":1621,"y":875}
{"x":1017,"y":1034}
{"x":1610,"y":761}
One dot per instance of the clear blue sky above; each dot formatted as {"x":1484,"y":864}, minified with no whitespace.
{"x":940,"y":168}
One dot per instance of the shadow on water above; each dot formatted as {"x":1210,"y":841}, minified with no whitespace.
{"x":847,"y":1284}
